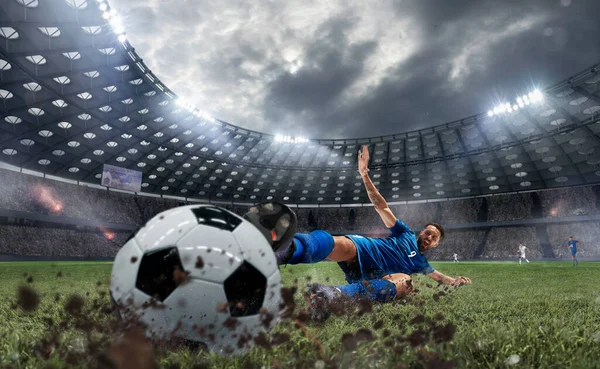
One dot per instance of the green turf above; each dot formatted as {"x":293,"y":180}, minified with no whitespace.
{"x":546,"y":313}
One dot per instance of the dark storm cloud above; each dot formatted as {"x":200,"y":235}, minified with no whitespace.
{"x":331,"y":65}
{"x":555,"y":48}
{"x":344,"y":69}
{"x":548,"y":43}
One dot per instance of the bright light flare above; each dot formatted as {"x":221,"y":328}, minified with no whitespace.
{"x":108,"y":234}
{"x":57,"y":208}
{"x":289,"y":139}
{"x":535,"y":96}
{"x":46,"y":198}
{"x":117,"y":24}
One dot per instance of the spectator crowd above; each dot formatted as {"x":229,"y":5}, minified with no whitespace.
{"x":33,"y":194}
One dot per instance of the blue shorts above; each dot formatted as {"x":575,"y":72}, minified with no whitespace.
{"x":366,"y":267}
{"x":573,"y":252}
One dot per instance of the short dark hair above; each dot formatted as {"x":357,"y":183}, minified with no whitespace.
{"x":439,"y":227}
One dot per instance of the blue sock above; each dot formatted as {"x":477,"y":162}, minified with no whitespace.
{"x":311,"y":247}
{"x":375,"y":290}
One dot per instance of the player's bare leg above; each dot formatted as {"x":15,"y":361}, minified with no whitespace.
{"x":343,"y":249}
{"x":403,"y":283}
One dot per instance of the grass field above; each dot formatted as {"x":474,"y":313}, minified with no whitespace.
{"x":542,"y":315}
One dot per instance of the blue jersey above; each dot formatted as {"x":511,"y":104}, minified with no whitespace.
{"x":397,"y":253}
{"x":573,"y":245}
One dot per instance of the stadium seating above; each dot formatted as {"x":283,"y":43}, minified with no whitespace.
{"x":21,"y":192}
{"x":27,"y":240}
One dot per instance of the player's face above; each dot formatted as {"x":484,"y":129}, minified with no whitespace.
{"x":429,"y":238}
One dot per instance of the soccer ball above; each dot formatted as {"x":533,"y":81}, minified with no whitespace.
{"x":199,"y":273}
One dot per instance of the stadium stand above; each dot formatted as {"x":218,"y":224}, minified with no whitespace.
{"x":516,"y":206}
{"x":460,"y":211}
{"x":569,"y":201}
{"x":587,"y":234}
{"x":464,"y":243}
{"x":42,"y":241}
{"x":503,"y":243}
{"x":461,"y":218}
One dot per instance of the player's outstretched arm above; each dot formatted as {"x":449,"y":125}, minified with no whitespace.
{"x":379,"y":203}
{"x":444,"y":279}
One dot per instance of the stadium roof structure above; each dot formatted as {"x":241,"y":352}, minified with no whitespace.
{"x":74,"y":96}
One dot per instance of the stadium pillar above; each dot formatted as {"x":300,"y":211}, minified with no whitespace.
{"x":482,"y":214}
{"x":596,"y":190}
{"x":541,"y":230}
{"x":542,"y":234}
{"x":481,"y":247}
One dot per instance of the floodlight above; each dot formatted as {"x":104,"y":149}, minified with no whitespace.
{"x":106,"y":15}
{"x":116,"y":24}
{"x":122,"y":38}
{"x":103,"y":7}
{"x":490,"y":113}
{"x":515,"y":107}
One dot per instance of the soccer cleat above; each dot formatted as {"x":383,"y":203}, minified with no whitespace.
{"x":277,"y":222}
{"x":320,"y":300}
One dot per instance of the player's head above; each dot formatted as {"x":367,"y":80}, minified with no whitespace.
{"x":430,"y":237}
{"x":571,"y":238}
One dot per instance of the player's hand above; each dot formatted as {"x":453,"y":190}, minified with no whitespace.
{"x":363,"y":160}
{"x":459,"y":281}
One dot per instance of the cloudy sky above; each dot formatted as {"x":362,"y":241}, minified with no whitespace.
{"x":358,"y":68}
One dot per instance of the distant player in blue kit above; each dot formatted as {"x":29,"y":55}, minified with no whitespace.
{"x":378,"y":269}
{"x":573,"y":249}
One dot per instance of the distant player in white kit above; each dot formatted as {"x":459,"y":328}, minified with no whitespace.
{"x":522,"y":250}
{"x":455,"y":257}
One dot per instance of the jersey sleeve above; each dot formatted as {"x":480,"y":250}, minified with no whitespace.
{"x":422,"y":266}
{"x":399,"y":228}
{"x":427,"y":270}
